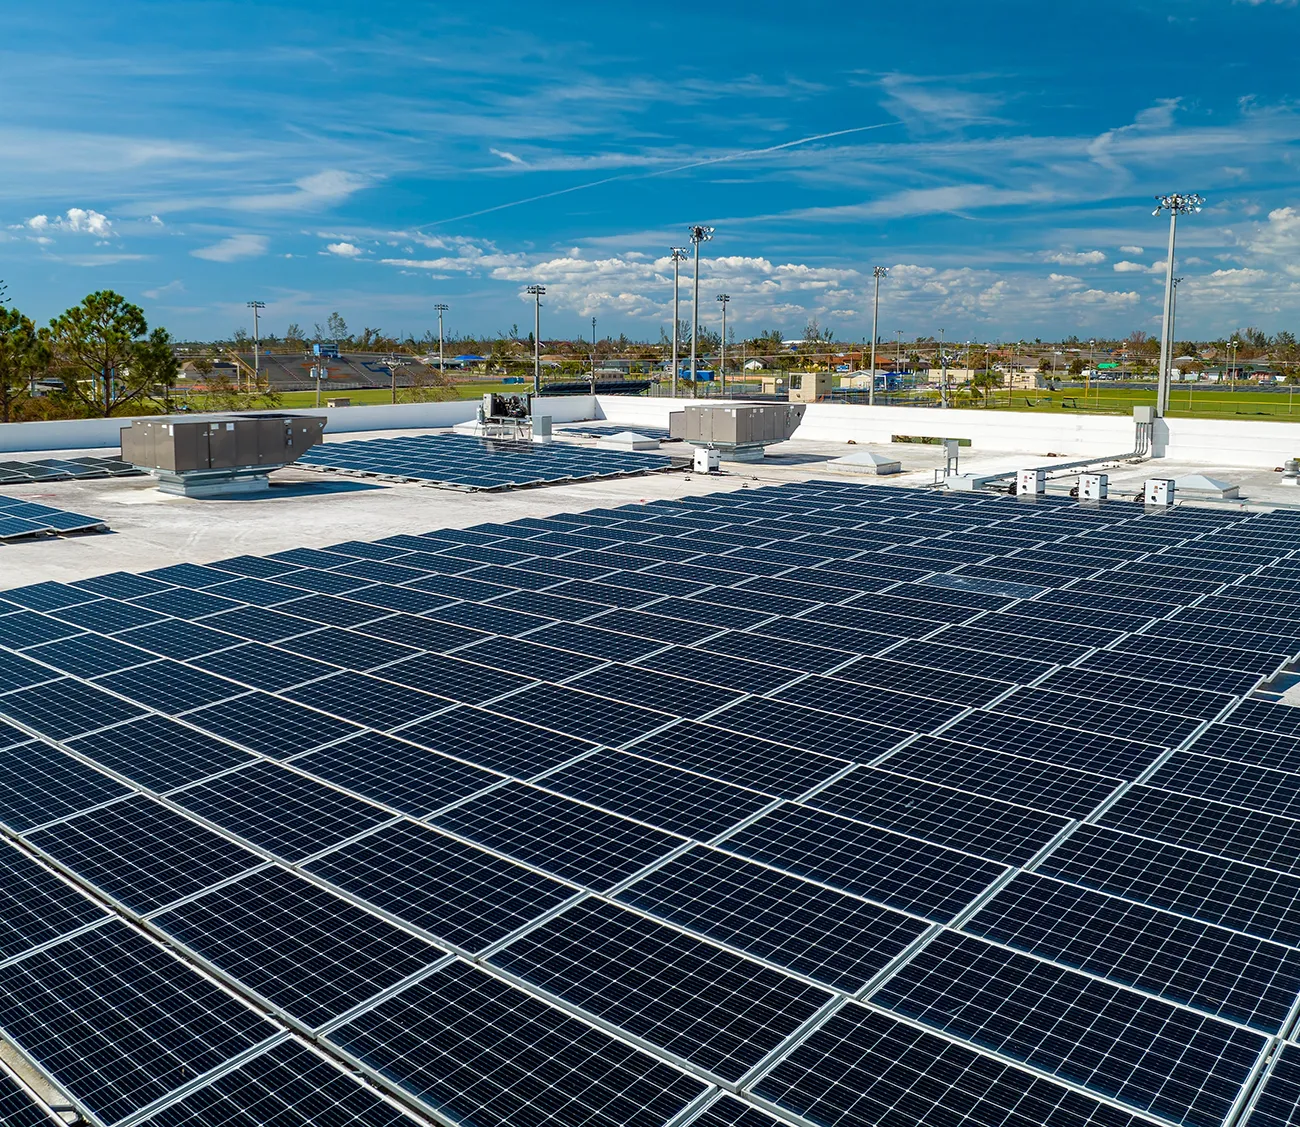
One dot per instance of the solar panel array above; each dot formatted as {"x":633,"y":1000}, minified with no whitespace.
{"x":20,"y":519}
{"x":64,"y":469}
{"x":724,"y":811}
{"x":464,"y":462}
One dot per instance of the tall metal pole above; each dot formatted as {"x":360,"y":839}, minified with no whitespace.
{"x":593,"y":356}
{"x":256,"y":306}
{"x":1173,"y":317}
{"x":537,"y":292}
{"x":878,"y":272}
{"x":679,"y":253}
{"x":1176,"y":204}
{"x":943,"y":368}
{"x":724,"y":298}
{"x":442,"y":367}
{"x":699,"y":234}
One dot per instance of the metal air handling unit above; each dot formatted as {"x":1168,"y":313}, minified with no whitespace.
{"x":218,"y":455}
{"x":740,"y":431}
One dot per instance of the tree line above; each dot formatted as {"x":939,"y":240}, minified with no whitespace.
{"x":93,"y":360}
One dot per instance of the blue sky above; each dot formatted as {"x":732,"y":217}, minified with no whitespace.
{"x":376,"y":158}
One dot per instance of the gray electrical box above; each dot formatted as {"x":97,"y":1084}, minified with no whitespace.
{"x":218,"y":455}
{"x":740,"y":431}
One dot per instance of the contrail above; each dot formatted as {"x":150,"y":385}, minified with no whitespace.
{"x":663,"y":171}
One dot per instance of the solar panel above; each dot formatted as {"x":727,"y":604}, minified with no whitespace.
{"x":119,"y":1022}
{"x":309,"y":952}
{"x":700,"y":1003}
{"x":286,"y":1086}
{"x":482,"y":1051}
{"x":457,"y":893}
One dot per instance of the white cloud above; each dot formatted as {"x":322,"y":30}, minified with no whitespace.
{"x":1106,"y":299}
{"x":318,"y":190}
{"x":344,"y":250}
{"x":1131,"y":250}
{"x":77,"y":221}
{"x":163,"y":291}
{"x":234,"y":248}
{"x":1076,"y":258}
{"x":1127,"y":267}
{"x":506,"y":156}
{"x":155,"y":221}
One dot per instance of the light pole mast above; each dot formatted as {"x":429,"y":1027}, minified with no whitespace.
{"x":442,"y":367}
{"x":537,"y":292}
{"x":256,"y":307}
{"x":593,"y":356}
{"x":1176,"y":205}
{"x":679,"y":253}
{"x":722,"y":355}
{"x":699,"y":235}
{"x":878,"y":273}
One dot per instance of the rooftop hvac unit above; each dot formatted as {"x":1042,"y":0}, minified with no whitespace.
{"x":1031,"y":483}
{"x":739,"y":432}
{"x":218,"y":455}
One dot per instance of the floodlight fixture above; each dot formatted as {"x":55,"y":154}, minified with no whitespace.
{"x":537,"y":292}
{"x":679,"y":255}
{"x":877,"y":272}
{"x":1179,"y":203}
{"x":699,"y":234}
{"x":724,"y":298}
{"x":442,"y":308}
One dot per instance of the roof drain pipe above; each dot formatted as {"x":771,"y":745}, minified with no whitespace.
{"x":1145,"y":422}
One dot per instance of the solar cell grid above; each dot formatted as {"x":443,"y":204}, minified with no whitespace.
{"x":169,"y":686}
{"x":46,"y":596}
{"x":1170,"y":672}
{"x":734,"y":673}
{"x":1105,"y":717}
{"x":663,"y":796}
{"x":975,"y":636}
{"x":1246,"y":745}
{"x":484,"y":1052}
{"x":1207,"y":968}
{"x":662,"y":692}
{"x":305,"y":950}
{"x":944,"y":815}
{"x":1255,"y":788}
{"x":1151,"y":1055}
{"x":158,"y":752}
{"x":828,"y":936}
{"x":263,"y":667}
{"x":809,"y":728}
{"x":1252,"y":640}
{"x":495,"y":742}
{"x":36,"y":906}
{"x":1027,"y":782}
{"x":1278,"y":1102}
{"x":348,"y":648}
{"x":701,"y":1003}
{"x":575,"y":842}
{"x":863,"y":1066}
{"x":118,"y":1022}
{"x":286,"y":1086}
{"x":907,"y":711}
{"x":65,"y":707}
{"x":461,"y":894}
{"x":1203,"y":704}
{"x":1199,"y":653}
{"x":258,"y":624}
{"x":585,"y":715}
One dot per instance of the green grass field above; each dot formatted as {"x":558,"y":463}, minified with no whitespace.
{"x":369,"y":396}
{"x":1184,"y":402}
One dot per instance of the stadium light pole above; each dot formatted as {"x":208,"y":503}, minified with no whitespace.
{"x":699,"y":234}
{"x":724,"y":298}
{"x":878,"y":273}
{"x":679,"y":253}
{"x":256,"y":307}
{"x":442,"y":367}
{"x":1176,"y":204}
{"x":593,"y":356}
{"x":537,"y":292}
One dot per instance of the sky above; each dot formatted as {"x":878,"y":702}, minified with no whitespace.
{"x":999,"y":159}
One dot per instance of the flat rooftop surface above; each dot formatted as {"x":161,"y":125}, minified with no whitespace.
{"x":307,"y":508}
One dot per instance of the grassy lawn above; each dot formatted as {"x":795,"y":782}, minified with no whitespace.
{"x":1184,"y":402}
{"x":369,"y":396}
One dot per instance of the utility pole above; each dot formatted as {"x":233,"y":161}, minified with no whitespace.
{"x":537,"y":292}
{"x":898,"y":360}
{"x":722,"y":359}
{"x":256,"y":307}
{"x":699,"y":234}
{"x":877,"y":272}
{"x":1176,"y":204}
{"x":593,"y":356}
{"x":679,"y":253}
{"x":442,"y":367}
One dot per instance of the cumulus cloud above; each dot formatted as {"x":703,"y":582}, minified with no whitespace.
{"x":234,"y":248}
{"x":1127,"y":267}
{"x":343,"y":250}
{"x":1076,"y":258}
{"x":1131,"y":250}
{"x":76,"y":221}
{"x":1105,"y":299}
